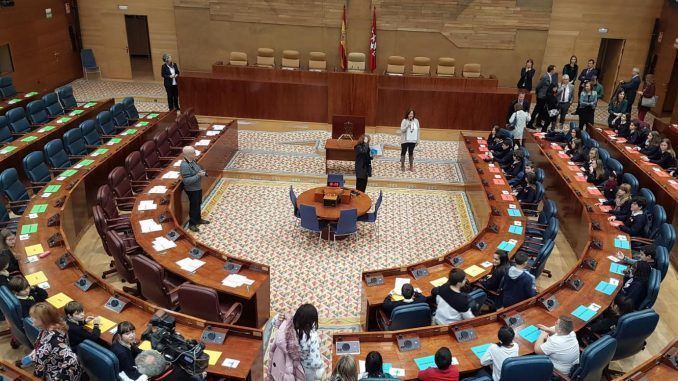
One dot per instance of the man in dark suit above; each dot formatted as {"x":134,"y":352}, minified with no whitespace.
{"x":512,"y":108}
{"x":587,"y":74}
{"x":631,"y":88}
{"x":170,"y":72}
{"x":539,"y":113}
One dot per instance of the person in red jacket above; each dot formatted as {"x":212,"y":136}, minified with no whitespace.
{"x":444,"y":370}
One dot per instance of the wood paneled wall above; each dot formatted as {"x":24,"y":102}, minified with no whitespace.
{"x":41,"y":47}
{"x":666,"y":56}
{"x":103,"y":30}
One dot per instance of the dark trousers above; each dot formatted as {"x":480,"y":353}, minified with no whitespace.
{"x":407,"y":148}
{"x":172,"y":97}
{"x":564,"y":107}
{"x":361,"y":184}
{"x":538,"y":112}
{"x":194,"y":201}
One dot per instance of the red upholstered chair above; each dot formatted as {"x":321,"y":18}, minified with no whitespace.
{"x":106,"y":200}
{"x":117,"y":249}
{"x":175,"y":138}
{"x":150,"y":157}
{"x":122,"y":188}
{"x":136,"y":169}
{"x":203,"y":303}
{"x":100,"y":224}
{"x":191,"y":121}
{"x":163,"y":146}
{"x":155,"y":285}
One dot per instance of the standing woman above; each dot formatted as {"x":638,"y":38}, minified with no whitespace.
{"x":519,"y":119}
{"x":648,"y":93}
{"x":526,"y":74}
{"x":53,"y":356}
{"x":409,"y":137}
{"x":170,"y":72}
{"x":571,"y":69}
{"x":363,"y":162}
{"x":587,"y":106}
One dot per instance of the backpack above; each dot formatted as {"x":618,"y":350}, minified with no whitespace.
{"x":284,"y":363}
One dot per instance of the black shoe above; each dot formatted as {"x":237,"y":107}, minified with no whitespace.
{"x":204,"y":222}
{"x":193,"y":228}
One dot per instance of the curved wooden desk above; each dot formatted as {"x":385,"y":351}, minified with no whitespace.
{"x":657,"y":368}
{"x":19,"y":100}
{"x":213,"y":157}
{"x":9,"y":372}
{"x":314,"y":197}
{"x":72,"y":203}
{"x":532,"y":310}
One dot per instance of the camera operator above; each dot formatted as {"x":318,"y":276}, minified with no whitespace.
{"x":154,"y":365}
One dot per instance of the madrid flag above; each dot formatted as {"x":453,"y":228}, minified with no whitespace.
{"x":373,"y":41}
{"x":342,"y":42}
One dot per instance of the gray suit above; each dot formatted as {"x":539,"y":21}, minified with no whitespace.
{"x":545,"y":82}
{"x":193,"y":187}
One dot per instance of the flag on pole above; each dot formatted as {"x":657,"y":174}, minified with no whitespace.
{"x":342,"y":42}
{"x":373,"y":41}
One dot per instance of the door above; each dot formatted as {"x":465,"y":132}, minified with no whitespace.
{"x":671,"y":90}
{"x":139,"y":46}
{"x":609,"y":58}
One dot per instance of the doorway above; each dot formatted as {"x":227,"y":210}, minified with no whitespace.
{"x":609,"y":57}
{"x":139,"y":47}
{"x":671,"y":90}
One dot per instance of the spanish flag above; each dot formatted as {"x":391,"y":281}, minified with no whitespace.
{"x":342,"y":42}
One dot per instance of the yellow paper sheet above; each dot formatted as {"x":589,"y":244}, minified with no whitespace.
{"x":145,"y":345}
{"x":59,"y":300}
{"x":34,"y":250}
{"x":396,"y":297}
{"x":104,"y":325}
{"x":439,"y":282}
{"x":36,"y":278}
{"x":214,"y":356}
{"x":474,"y":270}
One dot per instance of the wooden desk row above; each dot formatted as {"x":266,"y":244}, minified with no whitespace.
{"x":251,"y":92}
{"x":72,"y":202}
{"x":12,"y":154}
{"x":532,"y":311}
{"x":19,"y":100}
{"x":660,"y":367}
{"x":216,"y":151}
{"x":670,"y":130}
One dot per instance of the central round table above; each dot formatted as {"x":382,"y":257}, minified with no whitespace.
{"x":352,"y":199}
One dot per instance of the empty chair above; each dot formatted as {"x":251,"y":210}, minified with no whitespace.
{"x":346,"y":225}
{"x":174,"y":135}
{"x":119,"y":182}
{"x":56,"y":155}
{"x":649,"y":199}
{"x":163,"y":146}
{"x":653,"y":283}
{"x":613,"y":164}
{"x":66,"y":97}
{"x":594,"y":360}
{"x":89,"y":63}
{"x":36,"y":169}
{"x":335,"y":180}
{"x":118,"y":115}
{"x":585,"y":139}
{"x":665,"y":236}
{"x":203,"y":303}
{"x":445,"y":67}
{"x":539,"y":262}
{"x":37,"y":113}
{"x":106,"y":125}
{"x":135,"y":169}
{"x":293,"y":200}
{"x":356,"y":62}
{"x":150,"y":157}
{"x":266,"y":57}
{"x":631,"y":332}
{"x":632,"y":181}
{"x":18,"y":122}
{"x":106,"y":200}
{"x":74,"y":143}
{"x":238,"y":59}
{"x":372,"y":217}
{"x":317,"y":61}
{"x":11,"y":309}
{"x":309,"y":220}
{"x":52,"y":105}
{"x":290,"y":59}
{"x":7,"y":89}
{"x":14,"y":190}
{"x":405,"y":317}
{"x":119,"y":251}
{"x":188,"y":124}
{"x":533,"y":368}
{"x":89,"y":132}
{"x":549,"y":232}
{"x":591,"y":143}
{"x":98,"y":362}
{"x":130,"y":109}
{"x":5,"y":221}
{"x":421,"y":66}
{"x":395,"y":65}
{"x":5,"y":133}
{"x":154,"y":283}
{"x":471,"y":70}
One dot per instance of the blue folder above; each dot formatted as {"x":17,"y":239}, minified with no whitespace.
{"x":506,"y":246}
{"x":584,"y":313}
{"x":515,"y":229}
{"x":606,"y":288}
{"x":480,"y":350}
{"x":514,"y":212}
{"x":530,"y":333}
{"x":617,"y":268}
{"x":425,"y":362}
{"x":621,"y":243}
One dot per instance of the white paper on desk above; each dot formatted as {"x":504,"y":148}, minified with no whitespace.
{"x":613,"y":258}
{"x":399,"y":282}
{"x":61,"y":178}
{"x":190,"y":264}
{"x":218,"y":127}
{"x":614,"y":282}
{"x":149,"y":225}
{"x":33,"y":215}
{"x":212,"y":133}
{"x":159,"y":189}
{"x":45,"y":195}
{"x":176,"y":164}
{"x":171,"y":175}
{"x":197,"y":153}
{"x":236,"y":280}
{"x":202,"y":142}
{"x":230,"y":363}
{"x":147,"y":205}
{"x":486,"y":264}
{"x":162,"y":243}
{"x":621,"y":237}
{"x":361,"y":367}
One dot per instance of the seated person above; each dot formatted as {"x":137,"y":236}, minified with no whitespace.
{"x":634,"y":224}
{"x":27,"y":295}
{"x":592,"y":157}
{"x":409,"y":296}
{"x":500,"y":265}
{"x":517,"y":167}
{"x":518,"y":182}
{"x":597,"y":175}
{"x":4,"y":265}
{"x":607,"y":322}
{"x":497,"y":353}
{"x":124,"y":347}
{"x":623,"y":127}
{"x":374,"y":367}
{"x":560,"y":344}
{"x":667,"y":156}
{"x":635,"y":284}
{"x":651,"y":149}
{"x":518,"y":283}
{"x":645,"y":253}
{"x":504,"y":155}
{"x":497,"y":135}
{"x":610,"y":186}
{"x":7,"y":242}
{"x":635,"y":133}
{"x":621,"y":203}
{"x":529,"y":193}
{"x":452,"y":304}
{"x":76,"y":320}
{"x":575,"y":149}
{"x":444,"y":370}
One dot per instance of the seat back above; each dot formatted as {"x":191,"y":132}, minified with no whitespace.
{"x":395,"y":65}
{"x":666,"y":236}
{"x":410,"y":316}
{"x":548,"y":211}
{"x":89,"y":132}
{"x":594,"y":360}
{"x":356,"y":62}
{"x":542,"y":258}
{"x":650,"y":200}
{"x":106,"y":200}
{"x":88,"y":60}
{"x":135,"y":168}
{"x":11,"y":309}
{"x":162,"y":144}
{"x":348,"y":222}
{"x":377,"y":205}
{"x":130,"y":108}
{"x":476,"y":299}
{"x":119,"y":182}
{"x":5,"y":133}
{"x":99,"y":363}
{"x":66,"y":97}
{"x":149,"y":155}
{"x":317,"y":61}
{"x":52,"y":105}
{"x":151,"y":278}
{"x":421,"y":66}
{"x":173,"y":135}
{"x":37,"y":113}
{"x":266,"y":57}
{"x":533,"y":368}
{"x":309,"y":218}
{"x":198,"y":301}
{"x":191,"y":119}
{"x":653,"y":283}
{"x":105,"y":123}
{"x":661,"y":261}
{"x":471,"y":70}
{"x":290,"y":59}
{"x":613,"y":164}
{"x":539,"y":196}
{"x":7,"y":87}
{"x":238,"y":59}
{"x":445,"y":67}
{"x":591,"y":143}
{"x":657,"y":219}
{"x":4,"y":213}
{"x":335,"y":180}
{"x":118,"y":115}
{"x":585,"y":139}
{"x":116,"y":249}
{"x":632,"y":331}
{"x":552,"y":228}
{"x":293,"y":200}
{"x":74,"y":143}
{"x":632,"y":181}
{"x":56,"y":155}
{"x":13,"y":189}
{"x":603,"y":154}
{"x":539,"y":175}
{"x":18,"y":122}
{"x":35,"y":167}
{"x":31,"y":330}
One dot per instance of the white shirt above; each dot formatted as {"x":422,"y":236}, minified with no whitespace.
{"x":409,"y":131}
{"x":495,"y":356}
{"x":566,"y":94}
{"x":446,"y":314}
{"x":563,"y":350}
{"x":171,"y":69}
{"x":311,"y":359}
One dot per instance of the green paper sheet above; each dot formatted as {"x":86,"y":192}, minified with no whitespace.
{"x":46,"y":128}
{"x":129,"y":131}
{"x":67,"y":173}
{"x":29,"y":138}
{"x":142,"y":124}
{"x":84,"y":163}
{"x":38,"y":208}
{"x":76,"y":112}
{"x":7,"y":149}
{"x":31,"y":94}
{"x":114,"y":141}
{"x":13,"y":101}
{"x":99,"y":151}
{"x":52,"y":188}
{"x":63,"y":120}
{"x":30,"y":228}
{"x":151,"y":116}
{"x":89,"y":104}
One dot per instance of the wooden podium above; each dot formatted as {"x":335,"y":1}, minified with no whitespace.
{"x":347,"y":126}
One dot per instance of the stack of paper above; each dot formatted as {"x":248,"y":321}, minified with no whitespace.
{"x":236,"y":280}
{"x":177,"y":163}
{"x":399,"y":282}
{"x":218,"y":127}
{"x":147,"y":205}
{"x":202,"y":142}
{"x":162,"y":244}
{"x":212,"y":133}
{"x":171,"y":175}
{"x":159,"y":189}
{"x":190,"y":264}
{"x":149,"y":225}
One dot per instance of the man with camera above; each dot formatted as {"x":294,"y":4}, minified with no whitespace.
{"x":154,"y":365}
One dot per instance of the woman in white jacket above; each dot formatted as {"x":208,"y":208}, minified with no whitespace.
{"x":519,"y":120}
{"x":409,"y":137}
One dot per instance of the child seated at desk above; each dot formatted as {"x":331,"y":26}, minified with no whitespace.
{"x":408,"y":295}
{"x":444,"y":370}
{"x":27,"y":295}
{"x":76,"y":320}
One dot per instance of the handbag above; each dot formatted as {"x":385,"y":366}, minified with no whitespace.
{"x":649,"y":102}
{"x":554,"y":112}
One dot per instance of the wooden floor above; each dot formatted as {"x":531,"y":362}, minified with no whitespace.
{"x":562,"y":259}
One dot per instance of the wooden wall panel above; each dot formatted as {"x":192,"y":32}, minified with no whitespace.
{"x":666,"y":55}
{"x":41,"y":48}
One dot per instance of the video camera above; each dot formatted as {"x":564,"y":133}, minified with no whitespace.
{"x":188,"y":354}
